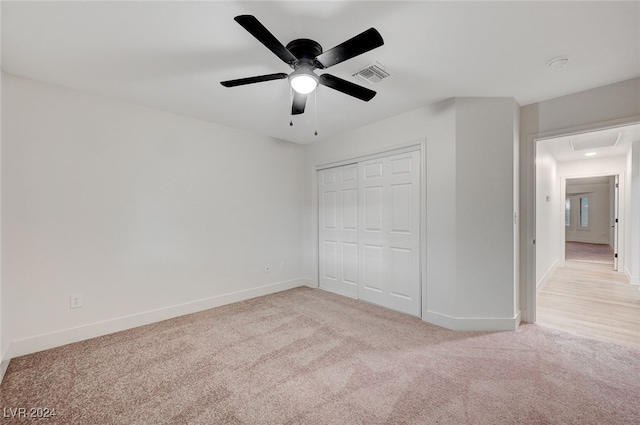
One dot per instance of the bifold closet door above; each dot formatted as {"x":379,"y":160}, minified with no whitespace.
{"x":338,"y":229}
{"x":389,"y":233}
{"x":369,"y":243}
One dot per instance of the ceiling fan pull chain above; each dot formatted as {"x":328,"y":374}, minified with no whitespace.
{"x":315,"y":111}
{"x":290,"y":101}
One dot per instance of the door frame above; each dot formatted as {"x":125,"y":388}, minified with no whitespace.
{"x":616,"y":223}
{"x":414,"y":145}
{"x":528,"y":234}
{"x":620,"y":210}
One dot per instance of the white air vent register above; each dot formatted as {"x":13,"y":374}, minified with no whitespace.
{"x":373,"y":73}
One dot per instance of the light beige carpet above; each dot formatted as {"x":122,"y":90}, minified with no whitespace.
{"x":589,"y":252}
{"x":310,"y":357}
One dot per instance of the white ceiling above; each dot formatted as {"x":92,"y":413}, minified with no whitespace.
{"x":172,"y":55}
{"x":561,"y":147}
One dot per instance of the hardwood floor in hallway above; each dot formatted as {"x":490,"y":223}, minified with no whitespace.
{"x":591,"y":300}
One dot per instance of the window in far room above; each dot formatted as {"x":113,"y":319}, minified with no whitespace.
{"x":584,"y":212}
{"x":576,"y":212}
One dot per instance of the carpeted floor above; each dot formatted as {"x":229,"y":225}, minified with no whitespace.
{"x":588,"y":252}
{"x":306,"y":356}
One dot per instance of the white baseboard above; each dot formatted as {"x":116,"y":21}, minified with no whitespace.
{"x":473,"y":323}
{"x":4,"y":364}
{"x":547,"y":275}
{"x":311,"y":283}
{"x":634,"y":280}
{"x":627,"y":273}
{"x":439,"y":319}
{"x":80,"y":333}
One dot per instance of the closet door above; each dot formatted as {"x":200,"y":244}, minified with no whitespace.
{"x":338,"y":229}
{"x":389,"y":234}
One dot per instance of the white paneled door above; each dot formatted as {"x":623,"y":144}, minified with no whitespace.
{"x":338,"y":216}
{"x":389,"y":236}
{"x":369,"y":231}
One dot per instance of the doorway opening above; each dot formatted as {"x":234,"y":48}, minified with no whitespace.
{"x":591,"y":220}
{"x":583,"y":237}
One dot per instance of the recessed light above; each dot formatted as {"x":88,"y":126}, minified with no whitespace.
{"x":590,"y":154}
{"x":558,"y":63}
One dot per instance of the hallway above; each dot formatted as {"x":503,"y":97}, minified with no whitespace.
{"x":592,"y":300}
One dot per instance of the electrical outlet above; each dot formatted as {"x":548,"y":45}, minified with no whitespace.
{"x":267,"y":268}
{"x":282,"y":265}
{"x":75,"y":301}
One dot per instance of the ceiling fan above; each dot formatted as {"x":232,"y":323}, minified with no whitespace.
{"x":305,"y":56}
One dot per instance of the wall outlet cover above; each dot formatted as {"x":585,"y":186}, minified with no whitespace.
{"x":75,"y":301}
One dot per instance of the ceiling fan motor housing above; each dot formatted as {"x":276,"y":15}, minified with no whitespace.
{"x":305,"y":50}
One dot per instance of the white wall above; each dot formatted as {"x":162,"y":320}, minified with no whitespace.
{"x":548,"y":210}
{"x":615,"y":104}
{"x":470,"y":197}
{"x":485,"y":197}
{"x":441,"y":192}
{"x":599,"y":203}
{"x":148,"y":215}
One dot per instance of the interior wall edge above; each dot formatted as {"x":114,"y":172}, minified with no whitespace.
{"x":67,"y":336}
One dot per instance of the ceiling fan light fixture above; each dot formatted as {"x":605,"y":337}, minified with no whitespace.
{"x":303,"y":83}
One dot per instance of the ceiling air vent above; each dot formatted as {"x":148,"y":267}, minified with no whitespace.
{"x":373,"y":73}
{"x":593,"y":142}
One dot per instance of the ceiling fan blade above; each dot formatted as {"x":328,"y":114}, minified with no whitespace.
{"x":299,"y":102}
{"x":361,"y":43}
{"x":347,"y":87}
{"x":251,"y":80}
{"x":256,"y":29}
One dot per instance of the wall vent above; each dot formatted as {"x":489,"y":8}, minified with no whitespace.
{"x":373,"y":73}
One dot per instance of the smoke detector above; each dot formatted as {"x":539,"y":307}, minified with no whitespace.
{"x":373,"y":73}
